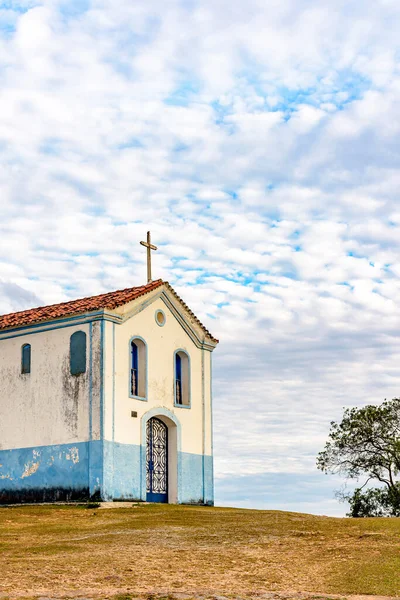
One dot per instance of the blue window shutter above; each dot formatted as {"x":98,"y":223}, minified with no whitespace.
{"x":178,"y":379}
{"x":26,"y":358}
{"x":77,"y":354}
{"x":134,"y":356}
{"x":134,"y":369}
{"x":178,"y":367}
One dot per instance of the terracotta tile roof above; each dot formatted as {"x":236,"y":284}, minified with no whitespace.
{"x":76,"y":307}
{"x":110,"y":301}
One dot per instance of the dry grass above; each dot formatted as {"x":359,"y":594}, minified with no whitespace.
{"x":160,"y":549}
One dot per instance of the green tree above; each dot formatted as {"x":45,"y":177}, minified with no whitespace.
{"x":366,"y":445}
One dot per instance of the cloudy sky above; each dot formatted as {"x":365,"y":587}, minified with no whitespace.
{"x":259,"y":141}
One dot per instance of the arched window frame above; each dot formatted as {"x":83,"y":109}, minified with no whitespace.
{"x":185,"y":378}
{"x":142,"y":368}
{"x":26,"y":364}
{"x":74,"y":371}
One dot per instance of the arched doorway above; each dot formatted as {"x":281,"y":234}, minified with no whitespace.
{"x":156,"y":461}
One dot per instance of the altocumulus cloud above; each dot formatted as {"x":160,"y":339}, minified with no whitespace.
{"x":259,"y":142}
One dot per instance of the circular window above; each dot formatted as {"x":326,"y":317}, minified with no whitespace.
{"x":160,"y":318}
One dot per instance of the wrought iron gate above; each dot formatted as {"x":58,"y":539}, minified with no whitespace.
{"x":156,"y":461}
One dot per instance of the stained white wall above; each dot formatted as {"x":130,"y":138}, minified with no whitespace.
{"x":161,"y":344}
{"x":47,"y":406}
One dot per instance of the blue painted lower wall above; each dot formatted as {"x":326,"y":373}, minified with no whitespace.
{"x":46,"y":473}
{"x":122,"y":471}
{"x":104,"y":470}
{"x":191,"y":488}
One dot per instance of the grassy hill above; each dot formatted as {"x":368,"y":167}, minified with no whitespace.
{"x":149,"y":550}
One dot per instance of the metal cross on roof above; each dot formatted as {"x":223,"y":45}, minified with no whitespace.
{"x":149,"y":247}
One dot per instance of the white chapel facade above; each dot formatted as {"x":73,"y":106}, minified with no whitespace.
{"x":108,"y":398}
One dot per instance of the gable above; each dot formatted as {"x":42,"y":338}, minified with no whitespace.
{"x":201,"y":337}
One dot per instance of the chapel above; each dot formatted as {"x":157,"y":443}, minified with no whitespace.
{"x":107,"y":398}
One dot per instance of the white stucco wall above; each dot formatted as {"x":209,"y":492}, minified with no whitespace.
{"x":161,"y":342}
{"x":47,"y":406}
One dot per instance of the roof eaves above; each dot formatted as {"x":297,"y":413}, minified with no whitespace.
{"x":91,"y":315}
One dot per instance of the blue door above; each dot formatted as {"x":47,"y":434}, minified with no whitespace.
{"x":156,"y":461}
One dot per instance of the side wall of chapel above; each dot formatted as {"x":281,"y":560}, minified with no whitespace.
{"x":48,"y":417}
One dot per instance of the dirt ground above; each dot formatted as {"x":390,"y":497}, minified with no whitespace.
{"x":180,"y":596}
{"x":164,"y":552}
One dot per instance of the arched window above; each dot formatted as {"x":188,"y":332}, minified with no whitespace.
{"x":77,"y":353}
{"x":138,"y":369}
{"x":26,"y":359}
{"x":182,"y":378}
